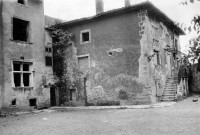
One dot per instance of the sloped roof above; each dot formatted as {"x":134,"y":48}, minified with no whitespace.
{"x":141,"y":6}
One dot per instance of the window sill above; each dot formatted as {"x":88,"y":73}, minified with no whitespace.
{"x":21,"y":42}
{"x":23,"y":88}
{"x":85,"y":42}
{"x":22,"y":5}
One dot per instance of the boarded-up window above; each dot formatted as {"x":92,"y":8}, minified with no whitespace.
{"x":83,"y":63}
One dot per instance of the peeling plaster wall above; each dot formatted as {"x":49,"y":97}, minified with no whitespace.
{"x":33,"y":51}
{"x":155,"y":37}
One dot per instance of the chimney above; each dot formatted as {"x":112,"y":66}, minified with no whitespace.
{"x":127,"y":3}
{"x":99,"y":6}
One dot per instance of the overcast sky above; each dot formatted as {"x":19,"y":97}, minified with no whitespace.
{"x":74,"y":9}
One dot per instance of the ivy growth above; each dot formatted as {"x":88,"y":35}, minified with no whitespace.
{"x":65,"y":63}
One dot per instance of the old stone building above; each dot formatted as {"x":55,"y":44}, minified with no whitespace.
{"x":25,"y":55}
{"x":130,"y":54}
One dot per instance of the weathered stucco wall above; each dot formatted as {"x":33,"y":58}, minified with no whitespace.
{"x":1,"y":56}
{"x":114,"y":51}
{"x":121,"y":57}
{"x":33,"y":51}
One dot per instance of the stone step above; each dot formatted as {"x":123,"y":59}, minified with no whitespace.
{"x":168,"y":95}
{"x":166,"y":100}
{"x":170,"y":89}
{"x":173,"y":98}
{"x":169,"y":92}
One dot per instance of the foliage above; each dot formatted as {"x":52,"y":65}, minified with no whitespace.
{"x":65,"y":62}
{"x":194,"y":43}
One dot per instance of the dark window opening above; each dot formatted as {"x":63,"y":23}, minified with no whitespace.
{"x":26,"y":79}
{"x":21,"y":2}
{"x":16,"y":66}
{"x":32,"y":102}
{"x":50,"y":50}
{"x":20,"y":30}
{"x":48,"y":61}
{"x":25,"y":67}
{"x":17,"y":79}
{"x":47,"y":49}
{"x":85,"y":37}
{"x":14,"y":102}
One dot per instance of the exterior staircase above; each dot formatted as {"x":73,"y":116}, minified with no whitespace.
{"x":169,"y":93}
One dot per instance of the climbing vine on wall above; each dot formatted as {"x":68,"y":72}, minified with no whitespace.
{"x":65,"y":62}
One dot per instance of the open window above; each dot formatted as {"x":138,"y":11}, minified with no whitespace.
{"x":20,"y":30}
{"x":85,"y":36}
{"x":22,"y":74}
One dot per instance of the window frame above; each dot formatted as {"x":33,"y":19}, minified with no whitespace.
{"x":21,"y":72}
{"x":81,"y":36}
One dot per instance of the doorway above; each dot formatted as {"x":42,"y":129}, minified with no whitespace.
{"x":72,"y":95}
{"x":53,"y":96}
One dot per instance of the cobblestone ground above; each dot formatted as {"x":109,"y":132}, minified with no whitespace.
{"x":182,"y":118}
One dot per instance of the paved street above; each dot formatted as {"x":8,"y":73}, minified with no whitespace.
{"x":182,"y":118}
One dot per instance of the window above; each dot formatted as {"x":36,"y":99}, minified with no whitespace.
{"x":33,"y":102}
{"x":20,"y":30}
{"x":13,"y":102}
{"x":156,"y":58}
{"x":48,"y":55}
{"x":85,"y":36}
{"x":21,"y":2}
{"x":83,"y":62}
{"x":22,"y":74}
